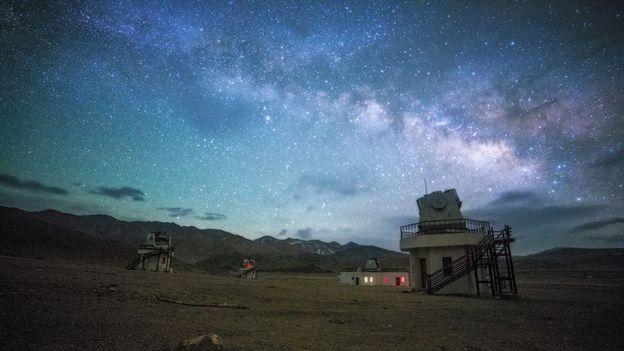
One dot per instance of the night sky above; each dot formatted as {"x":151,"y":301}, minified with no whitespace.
{"x":318,"y":121}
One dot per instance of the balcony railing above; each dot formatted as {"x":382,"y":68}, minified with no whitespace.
{"x":447,"y":226}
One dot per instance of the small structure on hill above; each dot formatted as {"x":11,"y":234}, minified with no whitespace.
{"x":372,"y":274}
{"x":453,"y":254}
{"x":248,"y":269}
{"x":155,"y":254}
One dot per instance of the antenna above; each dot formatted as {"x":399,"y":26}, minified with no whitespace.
{"x":426,"y":192}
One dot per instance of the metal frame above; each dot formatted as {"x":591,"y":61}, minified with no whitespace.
{"x":487,"y":254}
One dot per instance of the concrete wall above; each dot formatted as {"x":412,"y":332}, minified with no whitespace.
{"x":437,"y":240}
{"x":433,"y":257}
{"x":158,"y":263}
{"x":347,"y":277}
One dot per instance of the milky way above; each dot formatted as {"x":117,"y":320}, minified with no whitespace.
{"x":318,"y":121}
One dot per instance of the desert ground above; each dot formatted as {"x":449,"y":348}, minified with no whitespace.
{"x":55,"y":305}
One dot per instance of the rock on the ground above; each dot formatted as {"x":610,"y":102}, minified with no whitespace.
{"x":201,"y":343}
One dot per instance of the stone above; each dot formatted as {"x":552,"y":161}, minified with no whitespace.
{"x":201,"y":343}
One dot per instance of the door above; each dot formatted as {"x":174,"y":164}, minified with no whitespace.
{"x":357,"y":280}
{"x":397,"y":281}
{"x":423,"y":273}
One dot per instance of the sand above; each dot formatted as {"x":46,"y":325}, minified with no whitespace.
{"x":54,"y":305}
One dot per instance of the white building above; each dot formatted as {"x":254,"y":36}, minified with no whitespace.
{"x":155,"y":254}
{"x":372,"y":274}
{"x":452,"y":254}
{"x":375,"y":278}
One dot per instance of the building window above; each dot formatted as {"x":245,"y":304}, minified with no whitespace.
{"x":370,"y":279}
{"x":365,"y":279}
{"x":447,"y":265}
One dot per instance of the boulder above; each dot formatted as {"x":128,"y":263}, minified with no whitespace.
{"x":201,"y":343}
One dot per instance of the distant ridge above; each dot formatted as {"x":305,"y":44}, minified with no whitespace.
{"x":572,"y":259}
{"x":23,"y":236}
{"x":103,"y":239}
{"x":207,"y":249}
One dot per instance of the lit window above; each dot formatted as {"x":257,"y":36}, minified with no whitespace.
{"x":370,"y":279}
{"x":365,"y":279}
{"x":402,"y":279}
{"x":386,"y":280}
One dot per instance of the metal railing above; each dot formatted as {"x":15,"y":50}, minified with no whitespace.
{"x":447,"y":226}
{"x":491,"y":251}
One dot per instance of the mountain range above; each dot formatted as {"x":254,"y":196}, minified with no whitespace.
{"x":52,"y":234}
{"x":103,"y":239}
{"x":572,"y":259}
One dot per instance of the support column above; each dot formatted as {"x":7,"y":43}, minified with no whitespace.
{"x":414,"y":270}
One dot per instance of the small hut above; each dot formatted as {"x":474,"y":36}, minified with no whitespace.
{"x":372,"y":274}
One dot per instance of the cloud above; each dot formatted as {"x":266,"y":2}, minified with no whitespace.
{"x":596,"y":225}
{"x":338,"y":185}
{"x":209,"y":216}
{"x":612,"y":159}
{"x":541,"y":225}
{"x":120,"y":193}
{"x":40,"y":201}
{"x":282,"y":232}
{"x":517,"y":198}
{"x":610,"y":230}
{"x":177,"y":211}
{"x":304,"y":233}
{"x":30,"y":185}
{"x":395,"y":222}
{"x":610,"y":238}
{"x":528,"y":209}
{"x":540,"y":215}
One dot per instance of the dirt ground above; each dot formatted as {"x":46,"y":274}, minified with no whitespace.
{"x":55,"y":305}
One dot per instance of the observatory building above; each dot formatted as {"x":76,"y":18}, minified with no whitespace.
{"x":372,"y":274}
{"x":455,"y":255}
{"x":155,"y":254}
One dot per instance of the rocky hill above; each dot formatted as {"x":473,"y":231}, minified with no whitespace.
{"x":23,"y":236}
{"x":66,"y":235}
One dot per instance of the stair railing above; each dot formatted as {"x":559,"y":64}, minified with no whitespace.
{"x":459,"y":267}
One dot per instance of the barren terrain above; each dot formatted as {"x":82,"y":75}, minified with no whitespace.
{"x":61,"y":305}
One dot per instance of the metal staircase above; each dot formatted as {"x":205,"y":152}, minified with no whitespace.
{"x":491,"y":262}
{"x":135,"y":264}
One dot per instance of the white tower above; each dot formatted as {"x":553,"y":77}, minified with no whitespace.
{"x":445,"y":248}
